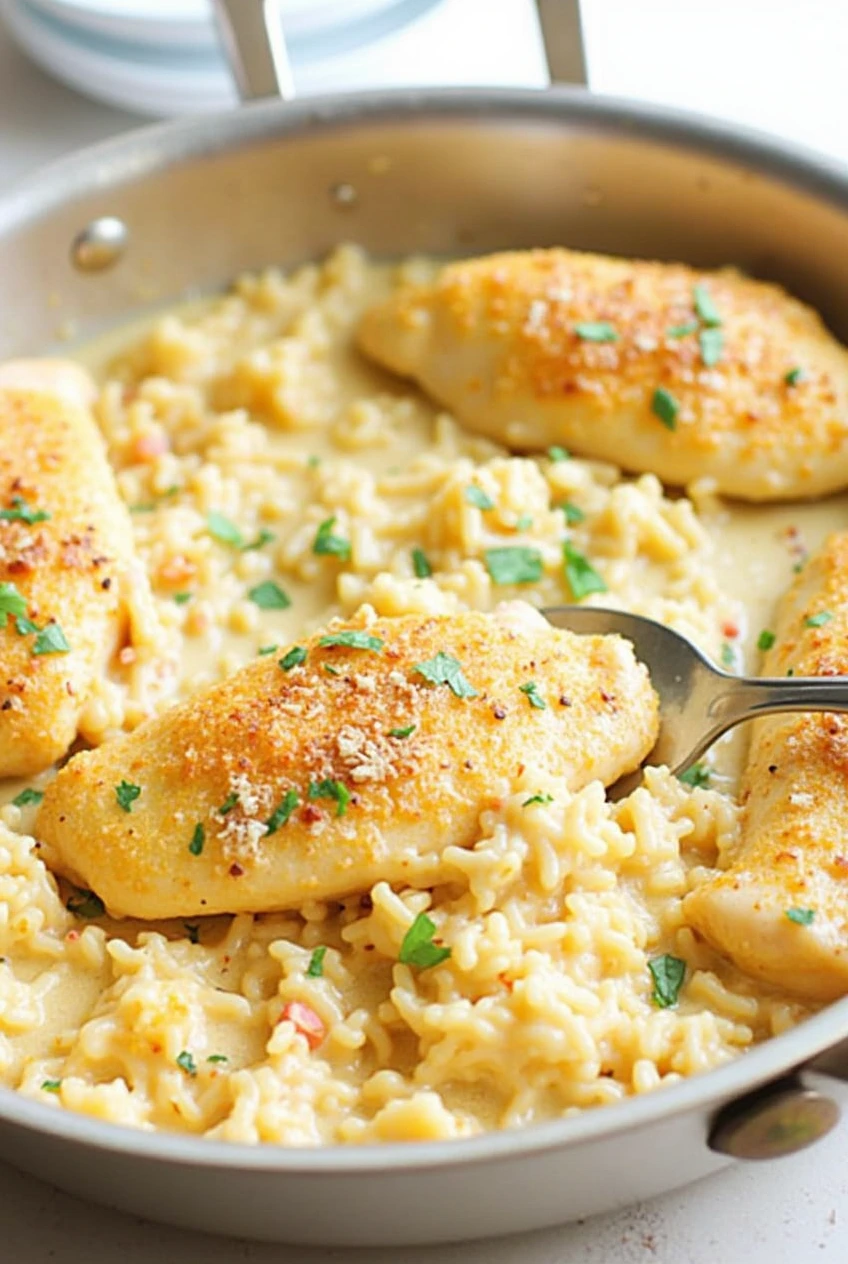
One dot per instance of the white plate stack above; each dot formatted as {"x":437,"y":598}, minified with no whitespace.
{"x":161,"y":57}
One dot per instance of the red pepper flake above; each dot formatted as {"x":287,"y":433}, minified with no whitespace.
{"x":72,"y":937}
{"x":730,"y":631}
{"x":305,"y":1021}
{"x":311,"y":814}
{"x":235,"y":870}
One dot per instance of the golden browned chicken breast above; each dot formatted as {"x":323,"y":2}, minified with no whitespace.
{"x":653,"y":366}
{"x":781,"y":909}
{"x":65,"y":541}
{"x":317,"y":772}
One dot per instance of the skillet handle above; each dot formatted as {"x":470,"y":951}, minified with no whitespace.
{"x":255,"y":46}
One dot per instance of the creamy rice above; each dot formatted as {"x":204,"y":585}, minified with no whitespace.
{"x":255,"y":407}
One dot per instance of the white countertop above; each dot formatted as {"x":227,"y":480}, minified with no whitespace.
{"x":782,"y":69}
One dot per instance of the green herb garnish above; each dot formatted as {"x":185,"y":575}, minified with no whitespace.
{"x":698,"y":776}
{"x":581,"y":575}
{"x":223,"y":530}
{"x":352,"y":639}
{"x":85,"y":904}
{"x":705,"y":306}
{"x":330,"y":669}
{"x":801,"y":916}
{"x":22,"y":512}
{"x":330,"y":789}
{"x":28,"y":797}
{"x":182,"y":597}
{"x":668,"y":974}
{"x":294,"y":658}
{"x":711,"y":342}
{"x":794,"y":376}
{"x":596,"y":331}
{"x":538,"y":798}
{"x":264,"y":537}
{"x":51,"y":640}
{"x":126,"y":794}
{"x":51,"y":1086}
{"x":187,"y":1063}
{"x":420,"y":564}
{"x":816,"y":620}
{"x":269,"y":596}
{"x":418,"y":948}
{"x":681,"y":331}
{"x":766,"y":640}
{"x":444,"y":669}
{"x":516,"y":564}
{"x":216,"y":1058}
{"x":557,"y":454}
{"x":524,"y":523}
{"x":330,"y":545}
{"x":282,"y":812}
{"x":728,"y":657}
{"x":228,"y":804}
{"x":531,"y":689}
{"x":315,"y":969}
{"x":198,"y":839}
{"x":666,"y":407}
{"x":476,"y":496}
{"x":573,"y":513}
{"x":265,"y":650}
{"x":11,"y":602}
{"x":404,"y":732}
{"x":25,"y":626}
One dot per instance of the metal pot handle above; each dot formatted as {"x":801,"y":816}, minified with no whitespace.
{"x":255,"y":46}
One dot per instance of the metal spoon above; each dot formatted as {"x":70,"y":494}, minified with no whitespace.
{"x":698,"y":701}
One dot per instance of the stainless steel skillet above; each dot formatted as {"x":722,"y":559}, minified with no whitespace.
{"x":189,"y":205}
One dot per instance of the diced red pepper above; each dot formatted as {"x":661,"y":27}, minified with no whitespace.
{"x":306,"y":1021}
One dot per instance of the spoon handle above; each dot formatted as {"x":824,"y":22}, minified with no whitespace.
{"x":747,"y":697}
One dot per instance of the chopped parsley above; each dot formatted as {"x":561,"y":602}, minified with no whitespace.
{"x":681,"y":331}
{"x":126,"y":794}
{"x":581,"y":575}
{"x":228,"y":804}
{"x":294,"y":658}
{"x":514,"y":564}
{"x":668,"y":974}
{"x":573,"y":513}
{"x":216,"y":1058}
{"x":224,"y":530}
{"x":705,"y":306}
{"x":524,"y":523}
{"x":418,"y":948}
{"x":28,"y":797}
{"x":404,"y":732}
{"x":444,"y":669}
{"x":665,"y":406}
{"x":264,"y":650}
{"x":711,"y":342}
{"x":316,"y":963}
{"x":198,"y":839}
{"x":269,"y":596}
{"x":538,"y":798}
{"x":25,"y":626}
{"x":182,"y":597}
{"x":51,"y":640}
{"x":330,"y":789}
{"x":329,"y":545}
{"x":476,"y":496}
{"x":728,"y":658}
{"x":766,"y":640}
{"x":313,"y":462}
{"x":186,"y":1062}
{"x":353,"y":639}
{"x":794,"y":376}
{"x":51,"y":1086}
{"x":557,"y":454}
{"x":531,"y":689}
{"x":698,"y":776}
{"x":85,"y":904}
{"x":282,"y":812}
{"x":330,"y":669}
{"x":596,"y":331}
{"x":22,"y":512}
{"x":264,"y":537}
{"x":816,"y":620}
{"x":420,"y":564}
{"x":801,"y":916}
{"x":192,"y":929}
{"x":11,"y":602}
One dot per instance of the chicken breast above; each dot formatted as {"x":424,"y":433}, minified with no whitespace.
{"x":653,"y":366}
{"x":781,"y":909}
{"x":65,"y":543}
{"x":315,"y":773}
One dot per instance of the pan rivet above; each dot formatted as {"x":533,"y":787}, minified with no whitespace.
{"x":344,"y":195}
{"x":99,"y":245}
{"x":773,"y":1123}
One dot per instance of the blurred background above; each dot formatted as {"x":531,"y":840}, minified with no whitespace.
{"x":75,"y":71}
